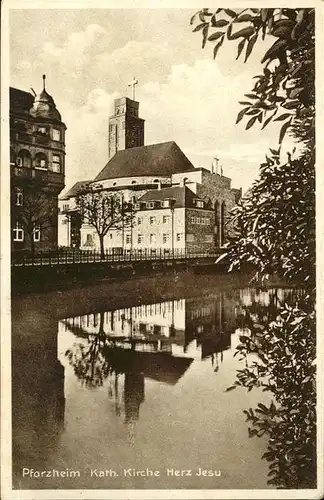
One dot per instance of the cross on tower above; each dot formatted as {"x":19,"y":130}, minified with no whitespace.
{"x":132,"y":84}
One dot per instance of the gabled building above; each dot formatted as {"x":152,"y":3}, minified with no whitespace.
{"x":176,"y":206}
{"x":37,"y":168}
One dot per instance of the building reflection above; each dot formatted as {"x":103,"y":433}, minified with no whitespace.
{"x":38,"y":402}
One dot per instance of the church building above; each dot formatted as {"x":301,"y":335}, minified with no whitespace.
{"x":37,"y":169}
{"x":176,"y":206}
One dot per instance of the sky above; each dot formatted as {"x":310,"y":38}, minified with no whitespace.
{"x":89,"y":56}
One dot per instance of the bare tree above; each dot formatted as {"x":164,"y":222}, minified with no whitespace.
{"x":103,"y":211}
{"x":37,"y":211}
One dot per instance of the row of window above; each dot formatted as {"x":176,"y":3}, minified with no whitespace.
{"x":166,"y":237}
{"x":205,"y":221}
{"x":56,"y":134}
{"x":19,"y":233}
{"x":165,"y":219}
{"x":24,"y":159}
{"x":152,"y":204}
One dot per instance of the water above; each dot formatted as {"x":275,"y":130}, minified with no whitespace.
{"x":138,"y":391}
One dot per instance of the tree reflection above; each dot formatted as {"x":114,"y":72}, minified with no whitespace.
{"x":277,"y":346}
{"x":89,"y":362}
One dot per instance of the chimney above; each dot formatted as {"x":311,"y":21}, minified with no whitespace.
{"x":215,"y":165}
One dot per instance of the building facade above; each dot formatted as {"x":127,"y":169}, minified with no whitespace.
{"x":37,"y":168}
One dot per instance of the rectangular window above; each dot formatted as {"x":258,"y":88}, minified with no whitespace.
{"x":197,"y":220}
{"x":140,"y":239}
{"x":139,"y":220}
{"x":152,"y":239}
{"x":193,"y":220}
{"x":166,"y":237}
{"x":56,"y":134}
{"x":207,"y":221}
{"x":203,"y":220}
{"x":19,"y":197}
{"x":150,"y":204}
{"x":166,"y":219}
{"x":128,"y":239}
{"x":18,"y":232}
{"x":179,"y":236}
{"x":199,"y":204}
{"x":152,"y":219}
{"x":41,"y":130}
{"x":65,"y":207}
{"x":190,"y":237}
{"x":36,"y":234}
{"x":208,"y":238}
{"x":165,"y":203}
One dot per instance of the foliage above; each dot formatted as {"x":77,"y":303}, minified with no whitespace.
{"x":285,"y":91}
{"x":103,"y":211}
{"x":275,"y":232}
{"x":275,"y":223}
{"x":284,"y":364}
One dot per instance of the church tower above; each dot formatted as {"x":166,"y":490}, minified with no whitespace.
{"x":126,"y":129}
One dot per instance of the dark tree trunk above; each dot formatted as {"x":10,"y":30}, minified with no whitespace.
{"x":102,"y":248}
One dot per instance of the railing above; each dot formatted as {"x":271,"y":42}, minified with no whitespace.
{"x":64,"y":257}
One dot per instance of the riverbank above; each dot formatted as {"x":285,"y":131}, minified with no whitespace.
{"x":108,"y":294}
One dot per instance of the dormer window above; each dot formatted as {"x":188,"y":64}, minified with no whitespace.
{"x":150,"y":204}
{"x":199,"y":203}
{"x":165,"y":203}
{"x":137,"y":206}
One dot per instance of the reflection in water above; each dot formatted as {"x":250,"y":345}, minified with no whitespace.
{"x":138,"y":363}
{"x":157,"y":341}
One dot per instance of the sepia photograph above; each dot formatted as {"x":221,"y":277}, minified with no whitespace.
{"x":160,"y":288}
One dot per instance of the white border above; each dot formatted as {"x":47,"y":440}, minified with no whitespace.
{"x":6,"y":484}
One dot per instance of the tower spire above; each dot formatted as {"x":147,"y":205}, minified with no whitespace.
{"x":44,"y":78}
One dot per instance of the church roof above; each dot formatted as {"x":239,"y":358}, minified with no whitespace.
{"x":74,"y":190}
{"x":161,"y":159}
{"x":20,"y":101}
{"x":182,"y":195}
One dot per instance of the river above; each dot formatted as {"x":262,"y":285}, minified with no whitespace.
{"x":134,"y":396}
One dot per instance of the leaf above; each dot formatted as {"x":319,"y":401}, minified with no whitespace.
{"x":245,"y":32}
{"x":230,"y":12}
{"x":240,"y":48}
{"x":268,"y":120}
{"x":244,"y":18}
{"x":274,"y":50}
{"x":205,"y":33}
{"x":251,"y":122}
{"x":282,"y":117}
{"x":284,"y":130}
{"x":215,"y":36}
{"x":199,"y":27}
{"x":250,"y":46}
{"x":294,"y":93}
{"x":240,"y":115}
{"x":231,"y":388}
{"x":221,"y":23}
{"x":193,"y":17}
{"x":291,"y":104}
{"x":216,"y":48}
{"x":251,"y":96}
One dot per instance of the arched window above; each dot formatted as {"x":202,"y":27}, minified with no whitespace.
{"x":24,"y":158}
{"x":41,"y":160}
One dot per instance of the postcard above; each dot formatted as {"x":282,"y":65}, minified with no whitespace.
{"x":161,"y":286}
